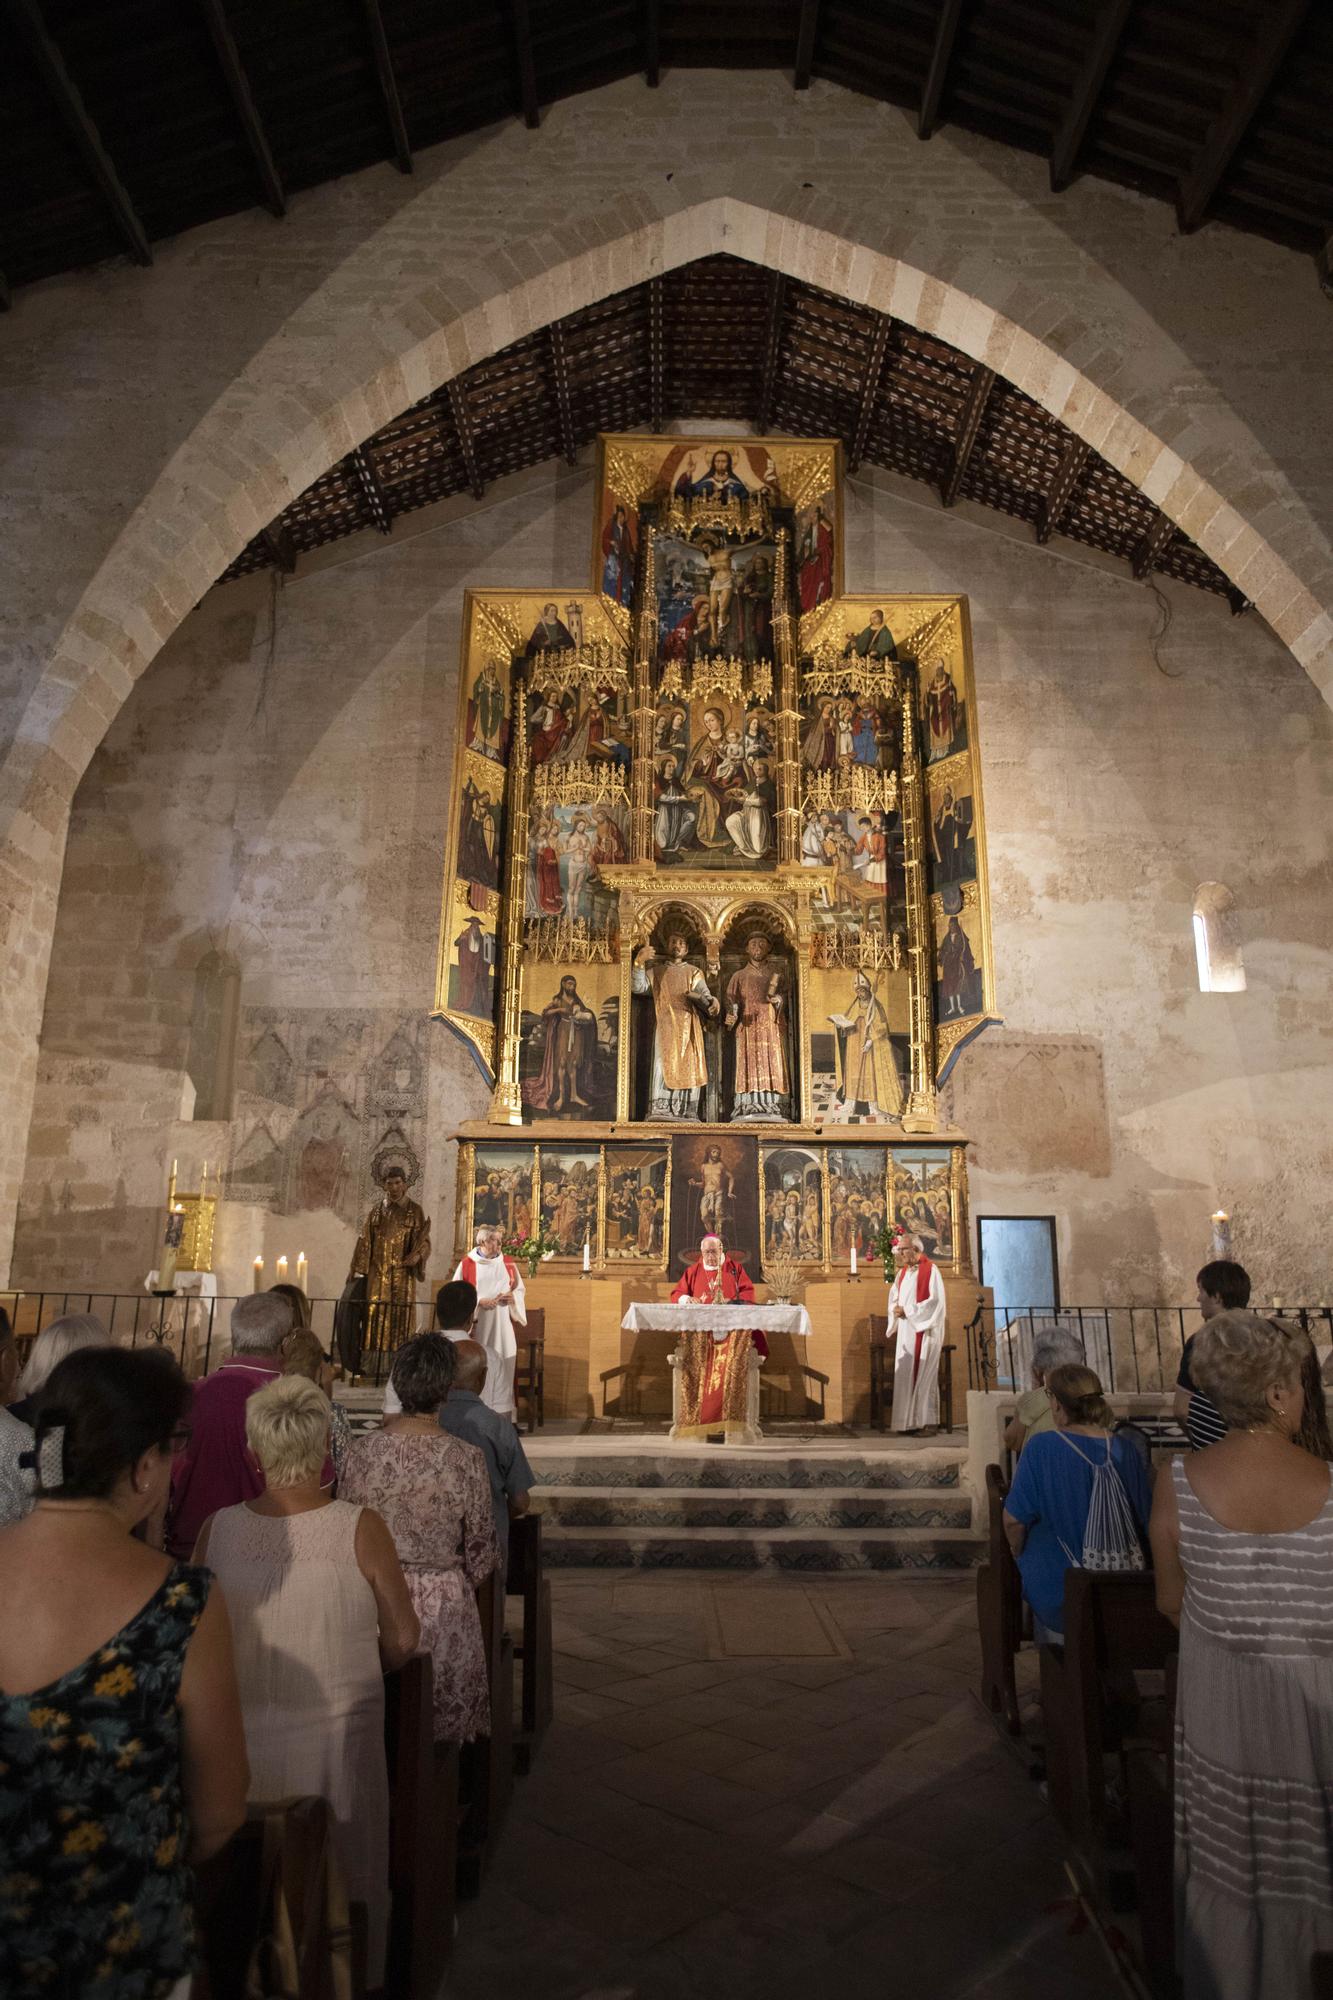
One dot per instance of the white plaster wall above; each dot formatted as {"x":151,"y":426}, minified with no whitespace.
{"x":292,"y":810}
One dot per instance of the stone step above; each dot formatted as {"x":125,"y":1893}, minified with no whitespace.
{"x":749,"y":1549}
{"x":756,"y":1508}
{"x":713,"y":1470}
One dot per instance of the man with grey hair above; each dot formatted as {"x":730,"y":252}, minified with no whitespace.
{"x":215,"y":1469}
{"x":1050,"y":1350}
{"x":916,"y":1316}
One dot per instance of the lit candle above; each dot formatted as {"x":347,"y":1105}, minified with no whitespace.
{"x":282,"y":1270}
{"x":259,"y":1274}
{"x":1221,"y":1233}
{"x":302,"y":1270}
{"x":587,"y":1256}
{"x":853,"y":1260}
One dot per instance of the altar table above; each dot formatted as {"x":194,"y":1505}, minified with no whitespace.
{"x":721,"y":1320}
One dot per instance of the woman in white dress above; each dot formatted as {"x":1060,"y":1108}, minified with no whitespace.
{"x":320,"y":1611}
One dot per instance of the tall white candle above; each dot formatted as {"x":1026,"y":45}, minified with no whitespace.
{"x":302,"y":1271}
{"x":587,"y":1255}
{"x":282,"y":1270}
{"x":259,"y":1274}
{"x":1221,"y":1233}
{"x":853,"y":1260}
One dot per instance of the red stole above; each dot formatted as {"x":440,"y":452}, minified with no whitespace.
{"x":697,"y":1283}
{"x":469,"y":1269}
{"x":923,"y":1271}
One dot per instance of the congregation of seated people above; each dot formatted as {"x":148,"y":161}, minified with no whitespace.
{"x":237,"y":1574}
{"x":1238,"y":1532}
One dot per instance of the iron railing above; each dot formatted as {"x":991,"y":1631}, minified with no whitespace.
{"x":1134,"y":1349}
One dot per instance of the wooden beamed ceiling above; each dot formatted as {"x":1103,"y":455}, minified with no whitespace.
{"x":730,"y":342}
{"x":126,"y":121}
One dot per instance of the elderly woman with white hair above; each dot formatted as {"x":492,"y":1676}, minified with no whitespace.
{"x":69,"y":1335}
{"x":1242,"y":1536}
{"x":320,"y":1609}
{"x":1033,"y":1414}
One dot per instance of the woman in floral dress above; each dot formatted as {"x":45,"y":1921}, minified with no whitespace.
{"x":433,"y":1492}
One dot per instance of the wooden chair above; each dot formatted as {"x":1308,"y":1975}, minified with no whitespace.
{"x":530,"y":1371}
{"x":276,"y":1879}
{"x":1112,"y":1628}
{"x":883,"y":1349}
{"x":423,"y":1834}
{"x":536,"y":1688}
{"x":486,"y":1767}
{"x":999,"y":1609}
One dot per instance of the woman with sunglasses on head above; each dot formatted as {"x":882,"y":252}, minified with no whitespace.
{"x":120,"y":1721}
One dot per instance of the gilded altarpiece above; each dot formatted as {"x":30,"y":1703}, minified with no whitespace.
{"x":715,"y":902}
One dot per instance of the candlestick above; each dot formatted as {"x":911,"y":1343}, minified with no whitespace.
{"x":259,"y":1274}
{"x":302,"y":1271}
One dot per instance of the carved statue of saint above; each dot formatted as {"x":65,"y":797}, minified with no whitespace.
{"x":681,"y":1000}
{"x":756,"y":1013}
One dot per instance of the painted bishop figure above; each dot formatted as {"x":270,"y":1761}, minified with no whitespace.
{"x":916,"y":1315}
{"x":500,"y":1308}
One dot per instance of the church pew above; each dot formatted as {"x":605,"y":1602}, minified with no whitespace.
{"x":530,"y":1371}
{"x":272,"y":1902}
{"x":527,"y":1581}
{"x":486,"y":1767}
{"x":1113,"y":1630}
{"x":999,"y":1609}
{"x":423,"y":1833}
{"x":1152,"y":1844}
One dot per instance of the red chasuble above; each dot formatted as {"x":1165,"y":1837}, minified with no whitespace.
{"x":715,"y":1372}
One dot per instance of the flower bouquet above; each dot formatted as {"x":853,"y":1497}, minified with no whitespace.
{"x":533,"y":1249}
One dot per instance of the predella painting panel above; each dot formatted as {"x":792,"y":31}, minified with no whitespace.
{"x":569,"y":1198}
{"x":570,"y":1032}
{"x":793,"y":1204}
{"x":636,"y":1189}
{"x":858,"y":1200}
{"x":860,"y":1044}
{"x":502,"y":1189}
{"x":920,"y":1182}
{"x":715,"y":1190}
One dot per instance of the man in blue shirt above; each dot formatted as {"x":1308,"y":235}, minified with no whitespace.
{"x":465,"y":1416}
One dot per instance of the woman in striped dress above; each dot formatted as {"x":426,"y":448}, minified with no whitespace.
{"x":1243,"y":1540}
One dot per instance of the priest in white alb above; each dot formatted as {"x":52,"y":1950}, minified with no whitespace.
{"x":500,"y":1308}
{"x":916,"y":1315}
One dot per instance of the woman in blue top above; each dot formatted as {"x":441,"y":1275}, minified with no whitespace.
{"x":1046,"y":1513}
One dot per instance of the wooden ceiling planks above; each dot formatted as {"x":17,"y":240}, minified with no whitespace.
{"x":726,"y":341}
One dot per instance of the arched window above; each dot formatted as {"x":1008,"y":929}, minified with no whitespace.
{"x":1217,"y":940}
{"x":211,"y":1059}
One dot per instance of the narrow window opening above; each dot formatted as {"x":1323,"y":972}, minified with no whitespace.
{"x":1217,"y":941}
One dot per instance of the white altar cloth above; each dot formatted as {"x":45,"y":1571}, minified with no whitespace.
{"x":663,"y":1316}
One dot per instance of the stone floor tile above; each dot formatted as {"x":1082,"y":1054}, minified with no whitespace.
{"x":641,"y":1728}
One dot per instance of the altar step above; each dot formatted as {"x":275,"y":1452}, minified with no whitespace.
{"x":770,"y":1468}
{"x":633,"y":1547}
{"x":755,"y":1508}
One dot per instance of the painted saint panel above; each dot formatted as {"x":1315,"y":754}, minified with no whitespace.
{"x":569,"y":1198}
{"x":636,"y":1204}
{"x":793,"y":1204}
{"x":860,"y":1043}
{"x":570,"y":1020}
{"x":715,"y":798}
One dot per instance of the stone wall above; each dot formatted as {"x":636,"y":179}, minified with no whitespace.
{"x":274,"y":794}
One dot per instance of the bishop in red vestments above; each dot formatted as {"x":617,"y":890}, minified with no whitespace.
{"x":715,"y":1368}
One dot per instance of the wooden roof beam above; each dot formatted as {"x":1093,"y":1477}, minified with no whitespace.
{"x":521,"y":24}
{"x":777,"y":298}
{"x":467,"y":440}
{"x":937,"y":71}
{"x":652,"y":43}
{"x":560,"y":377}
{"x":879,"y":347}
{"x":1153,"y":547}
{"x":1072,"y":461}
{"x":969,"y":425}
{"x":372,"y":490}
{"x":656,"y":353}
{"x":1107,"y":34}
{"x":68,"y":100}
{"x":247,"y":111}
{"x":807,"y":29}
{"x":1279,"y":23}
{"x":388,"y":82}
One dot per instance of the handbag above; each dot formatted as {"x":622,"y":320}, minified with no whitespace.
{"x":349,"y":1324}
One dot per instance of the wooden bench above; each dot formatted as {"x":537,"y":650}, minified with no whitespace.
{"x":999,"y":1609}
{"x":283,"y":1855}
{"x":486,"y":1767}
{"x":527,"y":1580}
{"x":423,"y":1833}
{"x":1112,"y":1628}
{"x":530,"y":1372}
{"x":883,"y":1348}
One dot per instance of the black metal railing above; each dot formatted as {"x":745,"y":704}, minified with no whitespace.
{"x":1134,"y":1349}
{"x":196,"y":1329}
